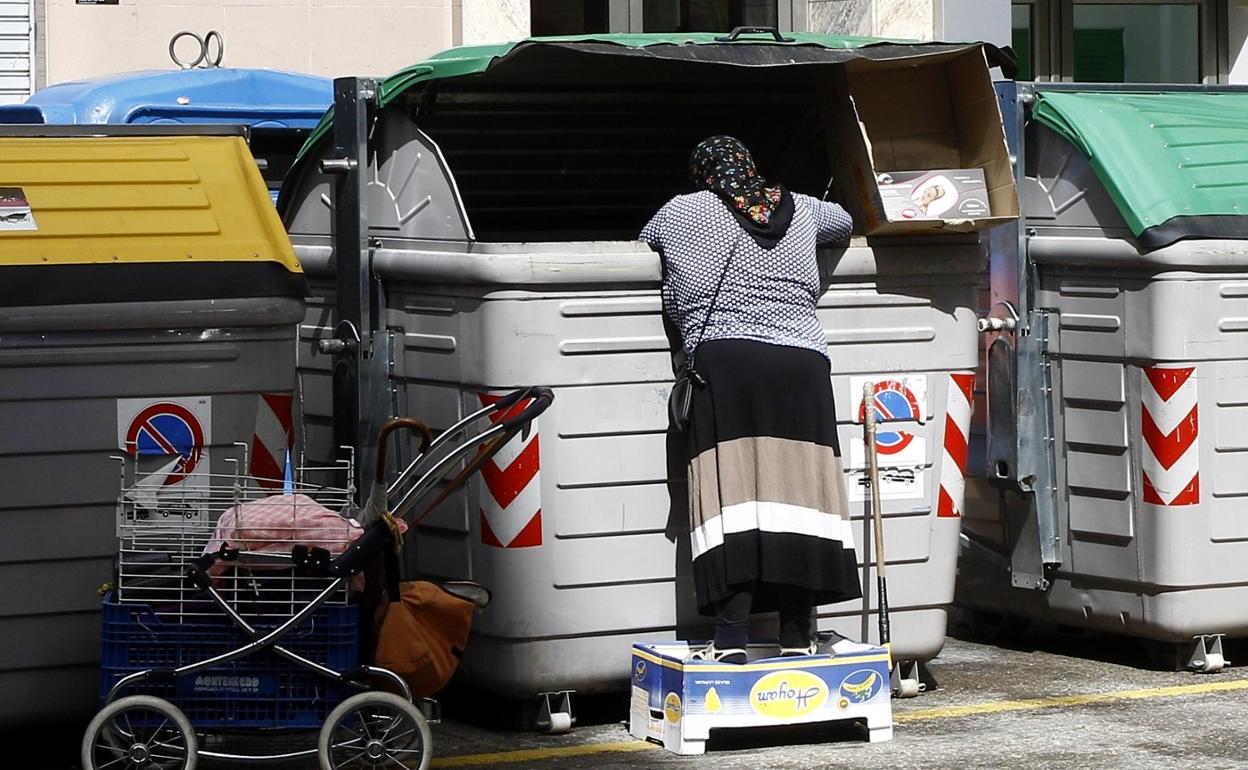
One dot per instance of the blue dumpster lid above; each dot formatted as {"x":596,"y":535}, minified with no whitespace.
{"x":255,"y":97}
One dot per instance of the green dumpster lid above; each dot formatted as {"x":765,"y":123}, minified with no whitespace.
{"x":1174,"y":163}
{"x":757,"y":50}
{"x":468,"y":60}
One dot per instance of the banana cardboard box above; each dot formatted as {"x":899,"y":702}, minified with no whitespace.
{"x":677,"y":702}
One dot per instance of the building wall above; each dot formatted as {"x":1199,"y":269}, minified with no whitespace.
{"x":953,"y":20}
{"x":883,"y":18}
{"x":41,"y":45}
{"x":376,"y":37}
{"x":16,"y":50}
{"x":961,"y":20}
{"x":1237,"y":42}
{"x":321,"y":37}
{"x":370,"y":37}
{"x":494,"y":21}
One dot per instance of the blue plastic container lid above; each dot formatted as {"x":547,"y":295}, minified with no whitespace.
{"x":255,"y":97}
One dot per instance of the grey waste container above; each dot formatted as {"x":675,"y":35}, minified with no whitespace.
{"x":503,"y":195}
{"x":1124,"y":485}
{"x":148,"y":303}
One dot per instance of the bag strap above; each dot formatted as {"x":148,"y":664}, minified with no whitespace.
{"x":390,"y":566}
{"x":710,"y":309}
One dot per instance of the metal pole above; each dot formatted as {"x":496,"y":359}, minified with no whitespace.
{"x":355,"y":315}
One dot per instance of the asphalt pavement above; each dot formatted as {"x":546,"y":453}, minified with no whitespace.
{"x":1048,"y":699}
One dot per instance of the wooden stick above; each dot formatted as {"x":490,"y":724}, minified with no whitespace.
{"x":877,"y":517}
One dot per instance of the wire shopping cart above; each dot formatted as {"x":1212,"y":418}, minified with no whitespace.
{"x":234,"y":606}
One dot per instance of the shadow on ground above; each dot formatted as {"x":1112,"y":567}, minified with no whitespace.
{"x":1022,"y":635}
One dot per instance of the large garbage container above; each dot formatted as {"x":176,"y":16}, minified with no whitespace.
{"x":1125,"y":434}
{"x":148,"y":303}
{"x":505,"y":188}
{"x":281,"y":108}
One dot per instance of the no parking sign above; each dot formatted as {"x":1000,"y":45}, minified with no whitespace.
{"x":177,"y":430}
{"x":895,"y":401}
{"x":901,"y":403}
{"x":901,"y":406}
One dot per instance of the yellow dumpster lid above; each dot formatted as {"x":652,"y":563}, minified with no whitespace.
{"x":136,"y":200}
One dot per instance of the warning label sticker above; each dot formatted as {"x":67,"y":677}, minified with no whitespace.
{"x":895,"y":484}
{"x":15,"y":212}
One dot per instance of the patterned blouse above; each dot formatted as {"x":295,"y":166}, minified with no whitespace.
{"x":768,"y":295}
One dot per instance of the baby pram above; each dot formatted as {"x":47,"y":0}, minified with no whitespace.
{"x":203,"y":638}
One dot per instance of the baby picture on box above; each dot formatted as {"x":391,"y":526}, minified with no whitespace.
{"x":939,"y":194}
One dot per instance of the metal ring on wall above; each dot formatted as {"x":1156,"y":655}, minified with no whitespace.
{"x":206,"y":57}
{"x":210,"y":59}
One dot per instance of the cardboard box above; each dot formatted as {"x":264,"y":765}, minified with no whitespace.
{"x":678,"y":703}
{"x":938,"y":111}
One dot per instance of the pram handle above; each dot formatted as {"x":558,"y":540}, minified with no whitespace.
{"x":542,"y":398}
{"x":390,"y":426}
{"x":511,"y":398}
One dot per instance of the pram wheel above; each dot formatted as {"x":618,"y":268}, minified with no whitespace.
{"x":375,"y":730}
{"x":139,"y":731}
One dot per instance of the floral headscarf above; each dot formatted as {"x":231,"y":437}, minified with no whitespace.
{"x":724,"y":166}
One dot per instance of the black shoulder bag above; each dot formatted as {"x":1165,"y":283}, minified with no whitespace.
{"x":680,"y":405}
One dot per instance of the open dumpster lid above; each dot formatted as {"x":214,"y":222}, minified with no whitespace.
{"x":702,"y":48}
{"x":548,"y":56}
{"x":1172,"y":162}
{"x":255,"y":97}
{"x":126,"y":218}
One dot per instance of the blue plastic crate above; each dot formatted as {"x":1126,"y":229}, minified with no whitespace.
{"x":262,"y":690}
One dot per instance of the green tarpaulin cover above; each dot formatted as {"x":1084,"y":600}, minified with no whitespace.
{"x":797,"y":48}
{"x":467,"y":60}
{"x":1176,"y":164}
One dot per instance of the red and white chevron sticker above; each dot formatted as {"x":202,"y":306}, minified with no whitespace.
{"x":1169,"y":424}
{"x":957,"y":430}
{"x":274,"y":436}
{"x":511,"y":504}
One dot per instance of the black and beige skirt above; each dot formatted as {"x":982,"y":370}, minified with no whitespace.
{"x":766,"y":491}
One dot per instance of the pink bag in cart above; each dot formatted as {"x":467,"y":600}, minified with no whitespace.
{"x":276,"y":523}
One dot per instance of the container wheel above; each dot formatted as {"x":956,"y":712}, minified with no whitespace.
{"x":139,"y":731}
{"x":375,"y":730}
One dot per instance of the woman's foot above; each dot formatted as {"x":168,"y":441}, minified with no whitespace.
{"x":712,"y":654}
{"x":797,"y":652}
{"x":795,"y":625}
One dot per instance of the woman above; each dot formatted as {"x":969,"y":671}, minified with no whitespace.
{"x":770,"y":519}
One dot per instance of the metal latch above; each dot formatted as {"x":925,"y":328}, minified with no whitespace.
{"x":996,"y":323}
{"x":347,"y":340}
{"x":331,"y":347}
{"x":338,"y":165}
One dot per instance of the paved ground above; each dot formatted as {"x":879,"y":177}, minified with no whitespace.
{"x":1048,"y":701}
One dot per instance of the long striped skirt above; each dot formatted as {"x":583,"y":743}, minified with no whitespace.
{"x":766,"y":490}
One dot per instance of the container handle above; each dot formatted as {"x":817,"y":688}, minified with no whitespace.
{"x":739,"y":31}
